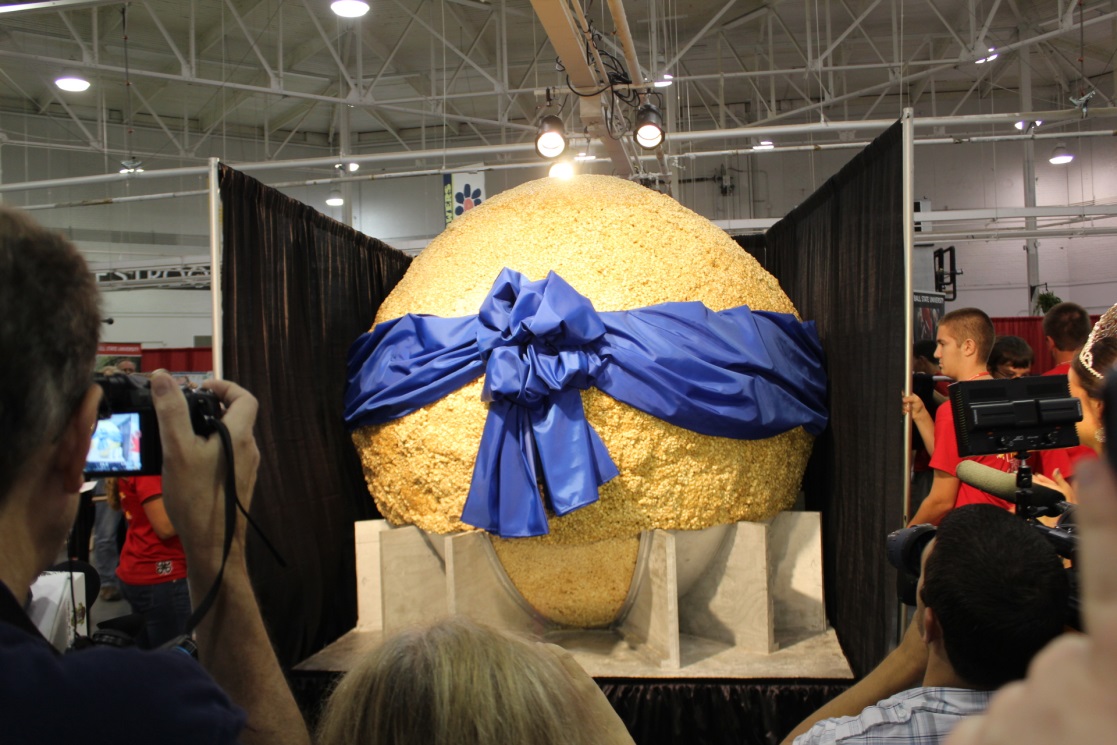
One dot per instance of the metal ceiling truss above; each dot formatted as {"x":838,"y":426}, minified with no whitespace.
{"x":453,"y":74}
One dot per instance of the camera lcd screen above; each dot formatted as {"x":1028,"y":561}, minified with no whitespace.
{"x":116,"y":448}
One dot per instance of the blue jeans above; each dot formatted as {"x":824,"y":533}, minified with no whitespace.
{"x":105,"y":553}
{"x":165,"y":608}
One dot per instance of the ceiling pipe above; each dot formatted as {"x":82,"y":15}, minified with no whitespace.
{"x":624,"y":33}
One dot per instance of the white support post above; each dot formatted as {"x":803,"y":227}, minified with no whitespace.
{"x":215,"y":268}
{"x":908,"y":125}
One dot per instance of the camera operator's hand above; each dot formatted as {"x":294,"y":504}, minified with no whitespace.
{"x":232,"y":642}
{"x":194,"y":466}
{"x":1058,"y":483}
{"x":1070,"y":694}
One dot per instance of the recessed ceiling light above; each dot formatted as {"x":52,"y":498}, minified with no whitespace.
{"x":992,"y":56}
{"x":1060,"y":155}
{"x":349,"y":8}
{"x":72,"y":81}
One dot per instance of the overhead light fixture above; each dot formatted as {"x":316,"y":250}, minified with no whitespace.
{"x":335,"y":199}
{"x":992,"y":56}
{"x":1060,"y":155}
{"x":551,"y":140}
{"x":585,"y":156}
{"x":1025,"y":126}
{"x":349,"y":8}
{"x":764,"y":145}
{"x":561,"y":169}
{"x":131,"y":165}
{"x":354,"y":166}
{"x":648,"y":128}
{"x":665,"y":81}
{"x":72,"y":81}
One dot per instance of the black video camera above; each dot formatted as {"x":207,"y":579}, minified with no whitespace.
{"x":126,"y":440}
{"x":905,"y":552}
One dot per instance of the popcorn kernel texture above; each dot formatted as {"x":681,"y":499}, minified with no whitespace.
{"x":622,"y":246}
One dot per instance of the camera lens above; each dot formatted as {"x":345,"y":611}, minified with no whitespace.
{"x":905,"y":547}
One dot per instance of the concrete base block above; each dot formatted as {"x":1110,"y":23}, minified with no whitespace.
{"x":741,"y":600}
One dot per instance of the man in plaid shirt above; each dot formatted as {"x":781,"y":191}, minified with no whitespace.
{"x":992,"y":592}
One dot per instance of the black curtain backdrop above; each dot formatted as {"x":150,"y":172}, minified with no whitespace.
{"x":839,"y":257}
{"x":299,"y":288}
{"x":671,"y":711}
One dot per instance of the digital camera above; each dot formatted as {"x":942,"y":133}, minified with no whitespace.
{"x":126,"y":440}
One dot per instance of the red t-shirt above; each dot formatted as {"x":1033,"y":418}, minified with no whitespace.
{"x":946,"y":458}
{"x":1065,"y":459}
{"x":146,"y":559}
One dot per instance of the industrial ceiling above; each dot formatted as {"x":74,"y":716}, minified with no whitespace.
{"x":177,"y":81}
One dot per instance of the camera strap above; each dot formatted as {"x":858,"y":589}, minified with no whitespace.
{"x":232,"y":505}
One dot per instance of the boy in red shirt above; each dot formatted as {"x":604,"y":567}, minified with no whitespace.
{"x":152,"y":567}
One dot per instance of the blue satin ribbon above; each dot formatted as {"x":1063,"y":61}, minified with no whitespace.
{"x":735,"y":373}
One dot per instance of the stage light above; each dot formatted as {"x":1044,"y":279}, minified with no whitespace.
{"x":354,"y":167}
{"x":72,"y":81}
{"x":665,"y":81}
{"x":1060,"y":155}
{"x":648,"y":128}
{"x":349,"y":8}
{"x":335,"y":199}
{"x":551,"y":140}
{"x":764,"y":145}
{"x":1026,"y":126}
{"x":561,"y":169}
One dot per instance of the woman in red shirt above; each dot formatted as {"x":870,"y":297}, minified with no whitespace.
{"x":152,"y":567}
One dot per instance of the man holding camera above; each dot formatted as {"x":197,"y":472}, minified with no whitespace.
{"x":991,"y":593}
{"x":49,"y":326}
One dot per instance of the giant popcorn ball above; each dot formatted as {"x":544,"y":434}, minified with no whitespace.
{"x":622,"y":246}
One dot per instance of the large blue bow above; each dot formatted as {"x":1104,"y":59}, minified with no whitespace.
{"x":737,"y":373}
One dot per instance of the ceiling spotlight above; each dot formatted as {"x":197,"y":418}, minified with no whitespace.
{"x":1026,"y":126}
{"x":584,"y":156}
{"x":551,"y":140}
{"x":349,"y":8}
{"x":131,"y":165}
{"x":664,"y":81}
{"x":72,"y":81}
{"x":764,"y":145}
{"x":561,"y":169}
{"x":1060,"y":155}
{"x":335,"y":199}
{"x":648,"y":127}
{"x":354,"y":167}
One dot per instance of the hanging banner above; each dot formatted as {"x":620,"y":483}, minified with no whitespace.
{"x":929,"y":308}
{"x":462,"y":191}
{"x":115,"y":354}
